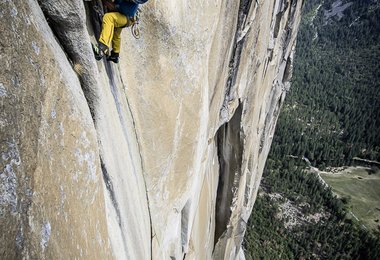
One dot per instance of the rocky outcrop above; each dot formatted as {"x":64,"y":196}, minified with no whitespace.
{"x":158,"y":157}
{"x":51,"y":190}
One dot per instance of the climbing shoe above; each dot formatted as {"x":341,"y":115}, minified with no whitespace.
{"x":114,"y":57}
{"x":99,"y":50}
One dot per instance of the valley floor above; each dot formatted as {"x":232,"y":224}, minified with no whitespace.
{"x":360,"y":188}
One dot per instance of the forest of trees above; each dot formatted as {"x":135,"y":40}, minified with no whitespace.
{"x":330,"y":116}
{"x":333,"y":237}
{"x":332,"y":112}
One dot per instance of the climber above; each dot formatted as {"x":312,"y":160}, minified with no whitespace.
{"x":121,"y":14}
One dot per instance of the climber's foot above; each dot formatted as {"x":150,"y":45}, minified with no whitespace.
{"x":114,"y":57}
{"x":99,"y":50}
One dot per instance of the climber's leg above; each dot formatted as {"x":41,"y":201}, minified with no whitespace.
{"x":116,"y":41}
{"x":111,"y":21}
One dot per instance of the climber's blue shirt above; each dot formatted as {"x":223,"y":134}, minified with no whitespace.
{"x":129,"y":9}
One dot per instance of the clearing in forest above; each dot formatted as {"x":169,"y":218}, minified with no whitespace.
{"x":362,"y":188}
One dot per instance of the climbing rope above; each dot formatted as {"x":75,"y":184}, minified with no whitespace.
{"x":135,"y":27}
{"x":135,"y":31}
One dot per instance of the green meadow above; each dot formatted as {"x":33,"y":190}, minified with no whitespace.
{"x":362,"y":190}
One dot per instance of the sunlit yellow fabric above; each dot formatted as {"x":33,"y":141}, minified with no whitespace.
{"x":111,"y":30}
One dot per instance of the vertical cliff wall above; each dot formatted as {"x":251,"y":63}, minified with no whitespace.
{"x":157,"y":157}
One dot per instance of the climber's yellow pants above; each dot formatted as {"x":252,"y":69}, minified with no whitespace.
{"x":112,"y":25}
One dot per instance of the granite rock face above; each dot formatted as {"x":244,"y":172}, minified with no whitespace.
{"x":157,"y":157}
